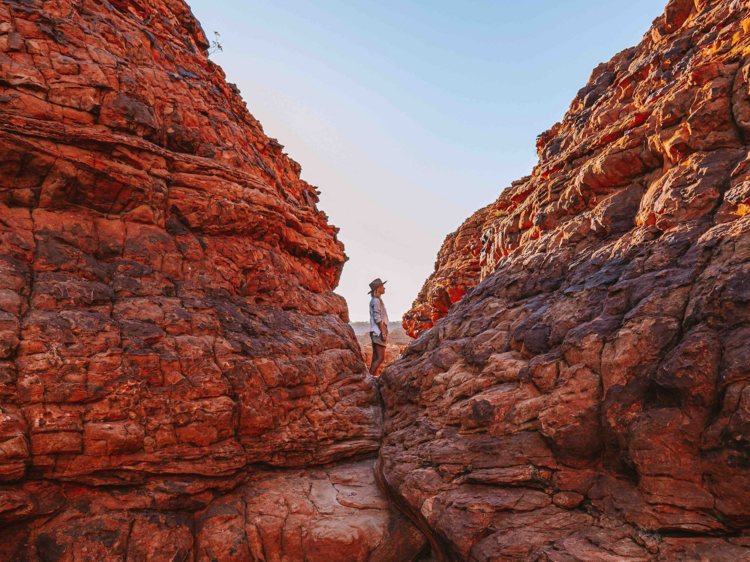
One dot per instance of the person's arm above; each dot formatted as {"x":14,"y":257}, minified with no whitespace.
{"x":383,"y":330}
{"x":378,"y":316}
{"x":384,"y":318}
{"x":375,"y":314}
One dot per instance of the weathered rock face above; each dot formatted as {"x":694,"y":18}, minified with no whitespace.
{"x":168,"y":330}
{"x":587,"y":400}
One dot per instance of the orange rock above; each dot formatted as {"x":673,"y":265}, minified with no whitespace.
{"x":167,"y":315}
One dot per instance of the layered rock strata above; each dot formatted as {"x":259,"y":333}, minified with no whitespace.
{"x":587,"y":400}
{"x":170,"y":345}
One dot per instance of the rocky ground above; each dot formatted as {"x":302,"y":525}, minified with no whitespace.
{"x":587,"y":399}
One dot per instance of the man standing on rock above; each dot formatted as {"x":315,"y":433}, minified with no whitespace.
{"x":378,"y":324}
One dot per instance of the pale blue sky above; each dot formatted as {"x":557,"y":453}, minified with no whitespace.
{"x":411,"y":115}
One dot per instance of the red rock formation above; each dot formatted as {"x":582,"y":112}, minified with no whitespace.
{"x":321,"y":514}
{"x":587,"y":400}
{"x":456,"y":271}
{"x":168,"y":330}
{"x":317,"y":515}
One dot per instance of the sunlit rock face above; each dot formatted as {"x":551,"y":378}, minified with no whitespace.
{"x":588,"y":400}
{"x":457,"y":270}
{"x":168,"y":330}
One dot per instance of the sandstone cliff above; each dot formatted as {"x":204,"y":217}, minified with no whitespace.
{"x":172,"y":356}
{"x":588,"y":400}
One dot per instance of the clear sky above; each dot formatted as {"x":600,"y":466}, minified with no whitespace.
{"x":410,"y":115}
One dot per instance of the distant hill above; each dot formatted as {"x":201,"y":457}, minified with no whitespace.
{"x":396,"y":333}
{"x":364,"y":327}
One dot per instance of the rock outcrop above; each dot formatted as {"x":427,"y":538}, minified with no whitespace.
{"x":588,"y":399}
{"x":457,"y":270}
{"x":171,"y":352}
{"x":317,"y":515}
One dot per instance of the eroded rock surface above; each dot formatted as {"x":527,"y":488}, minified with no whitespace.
{"x":586,"y":401}
{"x":304,"y":515}
{"x":168,"y":329}
{"x":457,"y":270}
{"x":314,"y":515}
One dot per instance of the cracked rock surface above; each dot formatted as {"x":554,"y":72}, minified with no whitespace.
{"x":587,"y":400}
{"x":336,"y":513}
{"x":170,"y":343}
{"x":313,"y":514}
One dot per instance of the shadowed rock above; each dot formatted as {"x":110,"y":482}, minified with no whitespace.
{"x":586,"y":400}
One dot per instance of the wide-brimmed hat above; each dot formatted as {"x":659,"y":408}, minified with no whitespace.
{"x":377,"y":283}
